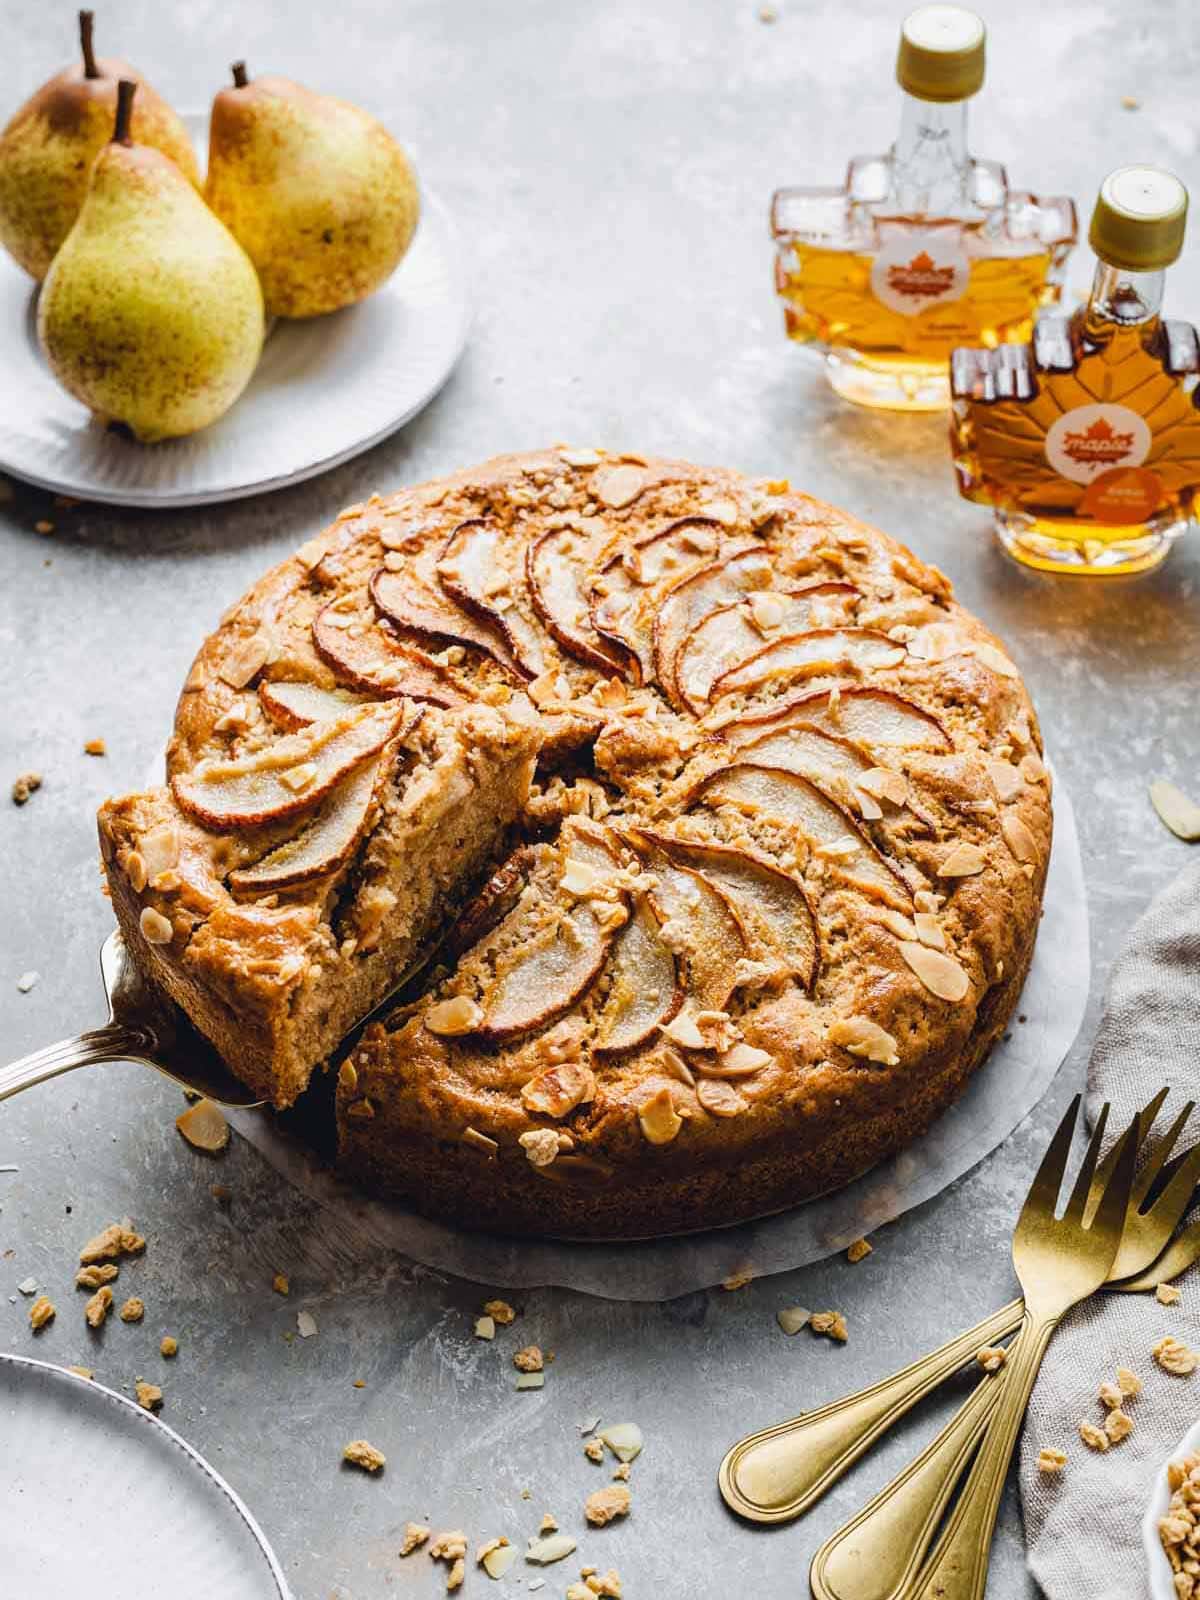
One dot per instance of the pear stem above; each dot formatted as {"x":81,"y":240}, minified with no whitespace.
{"x":125,"y":93}
{"x":240,"y":80}
{"x":90,"y":69}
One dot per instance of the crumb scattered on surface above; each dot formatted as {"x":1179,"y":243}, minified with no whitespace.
{"x":1167,"y":1294}
{"x":118,"y":1239}
{"x":530,"y":1359}
{"x":1175,"y":1357}
{"x":593,"y":1449}
{"x":1179,"y":1530}
{"x":133,"y":1310}
{"x":738,"y":1279}
{"x":204,"y":1127}
{"x":149,"y":1395}
{"x":991,"y":1357}
{"x":41,"y":1312}
{"x":95,"y":747}
{"x":832,"y":1324}
{"x":547,"y":1524}
{"x":858,"y":1251}
{"x":280,"y":1284}
{"x":1130,"y":102}
{"x":1128,"y":1382}
{"x":28,"y":981}
{"x":500,"y":1312}
{"x":1051,"y":1461}
{"x":621,"y":1474}
{"x":306,"y":1324}
{"x":531,"y":1380}
{"x":359,"y":1453}
{"x":98,"y":1307}
{"x":1117,"y":1425}
{"x":415,"y":1535}
{"x":603,"y":1505}
{"x":43,"y":526}
{"x":1095,"y":1438}
{"x":458,"y":1571}
{"x":485,"y":1327}
{"x":28,"y":1286}
{"x":169,"y":1346}
{"x":26,"y":784}
{"x":82,"y":1372}
{"x":94,"y":1277}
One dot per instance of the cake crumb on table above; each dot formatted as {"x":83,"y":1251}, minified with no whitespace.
{"x":149,"y":1395}
{"x":593,"y":1449}
{"x":621,"y":1474}
{"x":82,"y":1372}
{"x":1095,"y":1438}
{"x":133,"y":1310}
{"x":98,"y":1307}
{"x":603,"y":1505}
{"x":359,"y":1453}
{"x":858,"y":1251}
{"x":831,"y":1324}
{"x":530,"y":1359}
{"x":95,"y":1277}
{"x":415,"y":1535}
{"x":1111,"y":1395}
{"x":26,"y":784}
{"x":1175,"y":1357}
{"x":792,"y":1318}
{"x":280,"y":1284}
{"x":1167,"y":1294}
{"x":738,"y":1279}
{"x":118,"y":1239}
{"x":991,"y":1357}
{"x":1051,"y":1461}
{"x":169,"y":1346}
{"x":41,"y":1312}
{"x":1117,"y":1425}
{"x":95,"y":747}
{"x":1128,"y":1382}
{"x":500,"y":1312}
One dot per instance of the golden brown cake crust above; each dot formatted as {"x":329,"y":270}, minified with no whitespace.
{"x":778,"y":875}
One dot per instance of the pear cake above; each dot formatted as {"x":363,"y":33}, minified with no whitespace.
{"x":717,"y":829}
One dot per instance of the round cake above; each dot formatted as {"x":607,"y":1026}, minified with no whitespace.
{"x":715,"y":829}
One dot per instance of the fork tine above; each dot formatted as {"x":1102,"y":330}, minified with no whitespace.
{"x":1160,"y":1153}
{"x":1175,"y":1198}
{"x":1043,"y":1191}
{"x":1146,"y":1120}
{"x":1111,"y":1212}
{"x":1083,"y":1183}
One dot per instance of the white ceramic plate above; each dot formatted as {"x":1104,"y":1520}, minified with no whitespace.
{"x":98,"y":1497}
{"x":325,"y":390}
{"x":1162,"y":1586}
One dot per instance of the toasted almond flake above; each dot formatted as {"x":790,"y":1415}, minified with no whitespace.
{"x":964,"y":861}
{"x":359,"y":1453}
{"x":159,"y":849}
{"x":28,"y":1286}
{"x":832,"y":1324}
{"x":1174,"y":808}
{"x":738,"y":1279}
{"x":556,"y":1091}
{"x":300,"y":777}
{"x":155,"y":927}
{"x":485,"y":1327}
{"x":281,"y":1284}
{"x":581,"y":458}
{"x":497,"y":1556}
{"x":616,"y":487}
{"x":995,"y":659}
{"x":540,"y":1146}
{"x":415,"y":1535}
{"x":1167,"y":1294}
{"x":1007,"y":780}
{"x":894,"y":921}
{"x":204,"y":1127}
{"x":723,"y":511}
{"x":82,"y":1372}
{"x":719,"y":1099}
{"x":862,"y":1037}
{"x":480,"y":1141}
{"x":929,"y":930}
{"x":624,"y":1439}
{"x":306,"y":1324}
{"x":245,"y":660}
{"x":1050,"y":1460}
{"x":858,"y":1251}
{"x":941,"y":974}
{"x":458,"y":1015}
{"x":744,"y":1059}
{"x":658,"y":1119}
{"x":869,"y":808}
{"x":767,"y":610}
{"x":579,"y":878}
{"x":1033,"y":769}
{"x":884,"y":784}
{"x":604,"y":1505}
{"x":683,"y":1030}
{"x":1018,"y":837}
{"x":792,"y":1318}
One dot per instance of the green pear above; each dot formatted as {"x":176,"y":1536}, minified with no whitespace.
{"x":318,"y":193}
{"x":47,"y":150}
{"x":151,"y":313}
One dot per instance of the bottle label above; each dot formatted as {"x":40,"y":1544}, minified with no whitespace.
{"x":914,"y":271}
{"x":1091,"y":440}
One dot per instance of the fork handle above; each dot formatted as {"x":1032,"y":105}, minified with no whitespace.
{"x":114,"y":1042}
{"x":877,"y":1554}
{"x":958,"y":1567}
{"x":775,"y":1475}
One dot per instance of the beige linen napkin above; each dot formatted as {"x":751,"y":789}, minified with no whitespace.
{"x":1083,"y":1526}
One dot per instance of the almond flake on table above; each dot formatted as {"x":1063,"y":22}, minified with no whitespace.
{"x":306,"y":1324}
{"x":542,"y":1551}
{"x":361,"y":1453}
{"x":485,"y":1327}
{"x":28,"y":1286}
{"x":624,"y":1439}
{"x":27,"y":980}
{"x":204,"y":1127}
{"x":1176,"y":810}
{"x":531,"y":1380}
{"x":792,"y":1318}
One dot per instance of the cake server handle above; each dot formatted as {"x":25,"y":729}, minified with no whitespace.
{"x":113,"y":1042}
{"x":780,"y":1472}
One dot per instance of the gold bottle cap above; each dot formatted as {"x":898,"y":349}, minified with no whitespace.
{"x":1139,"y":220}
{"x":941,"y":53}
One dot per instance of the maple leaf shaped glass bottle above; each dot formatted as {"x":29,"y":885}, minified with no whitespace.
{"x":921,"y":249}
{"x":1086,"y":440}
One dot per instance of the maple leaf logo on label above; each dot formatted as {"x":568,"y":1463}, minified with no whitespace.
{"x":914,"y":271}
{"x":1092,"y":439}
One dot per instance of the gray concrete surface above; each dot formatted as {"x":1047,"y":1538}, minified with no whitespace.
{"x":611,"y":166}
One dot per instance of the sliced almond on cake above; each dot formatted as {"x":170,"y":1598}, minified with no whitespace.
{"x":818,"y":652}
{"x":470,"y":571}
{"x":772,"y":903}
{"x":557,"y":568}
{"x":296,"y":705}
{"x":874,"y":716}
{"x":291,"y":775}
{"x":644,"y":991}
{"x":793,"y":801}
{"x":693,"y":597}
{"x":729,"y":635}
{"x":370,"y":658}
{"x":414,"y":607}
{"x":699,"y":922}
{"x":327,"y":843}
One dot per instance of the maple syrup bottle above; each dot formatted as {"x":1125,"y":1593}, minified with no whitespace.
{"x":921,"y":249}
{"x":1086,"y":441}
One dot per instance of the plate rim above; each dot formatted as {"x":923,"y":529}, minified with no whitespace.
{"x":1158,"y":1567}
{"x":148,"y":1418}
{"x":168,"y":500}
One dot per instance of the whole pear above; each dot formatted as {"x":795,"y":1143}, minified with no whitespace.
{"x":151,"y":313}
{"x":47,"y":150}
{"x":318,"y":193}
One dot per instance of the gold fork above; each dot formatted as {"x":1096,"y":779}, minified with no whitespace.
{"x":779,"y":1472}
{"x":876,"y":1554}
